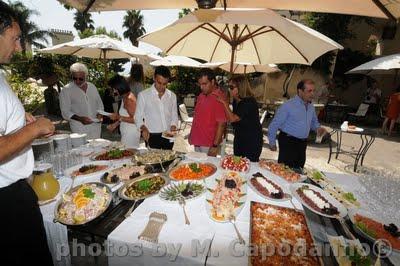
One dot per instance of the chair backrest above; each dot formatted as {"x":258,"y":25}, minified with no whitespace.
{"x":263,"y":117}
{"x":183,"y":112}
{"x":362,"y":109}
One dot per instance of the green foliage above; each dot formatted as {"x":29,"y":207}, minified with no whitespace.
{"x":348,"y":59}
{"x":99,"y":31}
{"x":134,"y":24}
{"x":336,"y":27}
{"x":30,"y":32}
{"x":41,"y":66}
{"x":83,"y":21}
{"x":185,"y":81}
{"x":184,"y":12}
{"x":30,"y":96}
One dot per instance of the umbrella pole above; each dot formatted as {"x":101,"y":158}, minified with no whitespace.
{"x":233,"y":46}
{"x":265,"y":88}
{"x":232,"y":58}
{"x":105,"y":69}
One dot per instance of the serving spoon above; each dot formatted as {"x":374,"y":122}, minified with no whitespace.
{"x":232,"y":220}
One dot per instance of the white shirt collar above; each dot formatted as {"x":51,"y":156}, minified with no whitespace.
{"x":155,"y":92}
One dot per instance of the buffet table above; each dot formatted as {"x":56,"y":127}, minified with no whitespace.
{"x":203,"y":242}
{"x":202,"y":231}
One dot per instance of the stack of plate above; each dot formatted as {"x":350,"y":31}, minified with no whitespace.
{"x":62,"y":143}
{"x":77,"y":139}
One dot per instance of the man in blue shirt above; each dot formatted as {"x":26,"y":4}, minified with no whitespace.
{"x":294,"y":119}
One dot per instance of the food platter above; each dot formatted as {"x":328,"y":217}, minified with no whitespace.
{"x":332,"y":208}
{"x":371,"y":228}
{"x":192,"y":171}
{"x":339,"y":245}
{"x":318,"y":178}
{"x":285,"y":227}
{"x":348,"y":199}
{"x":128,"y":171}
{"x":115,"y":154}
{"x":267,"y":188}
{"x":282,"y":171}
{"x":83,"y":203}
{"x":186,"y":190}
{"x":143,"y":187}
{"x":155,"y":157}
{"x":90,"y":169}
{"x":226,"y":196}
{"x":98,"y":143}
{"x":235,"y":163}
{"x":169,"y":135}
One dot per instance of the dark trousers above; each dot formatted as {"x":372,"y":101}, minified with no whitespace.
{"x":23,"y":237}
{"x":292,"y":151}
{"x":156,"y":141}
{"x":250,"y":149}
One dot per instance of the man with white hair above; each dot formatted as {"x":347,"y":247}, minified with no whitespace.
{"x":79,"y":102}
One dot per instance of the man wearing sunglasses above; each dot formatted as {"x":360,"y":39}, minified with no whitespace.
{"x":80,"y":102}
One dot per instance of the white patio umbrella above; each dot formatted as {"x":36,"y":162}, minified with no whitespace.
{"x":258,"y":37}
{"x":96,"y":46}
{"x":387,"y":65}
{"x":243,"y":68}
{"x":176,"y":60}
{"x":372,"y":8}
{"x":100,"y":47}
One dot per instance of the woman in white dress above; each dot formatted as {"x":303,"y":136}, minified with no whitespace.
{"x":130,"y":134}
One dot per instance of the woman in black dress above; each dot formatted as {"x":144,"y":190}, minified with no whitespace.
{"x":245,"y":120}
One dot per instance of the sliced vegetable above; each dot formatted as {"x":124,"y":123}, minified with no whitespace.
{"x":363,"y":227}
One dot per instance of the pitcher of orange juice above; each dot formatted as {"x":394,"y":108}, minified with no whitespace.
{"x":44,"y":183}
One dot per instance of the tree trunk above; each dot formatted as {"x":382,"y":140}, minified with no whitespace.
{"x":287,"y":82}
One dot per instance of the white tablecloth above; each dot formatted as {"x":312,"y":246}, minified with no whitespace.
{"x":177,"y":241}
{"x":57,"y":235}
{"x":201,"y":230}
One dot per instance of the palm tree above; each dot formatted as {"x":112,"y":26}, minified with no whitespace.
{"x":83,"y":21}
{"x":133,"y":22}
{"x":30,"y":32}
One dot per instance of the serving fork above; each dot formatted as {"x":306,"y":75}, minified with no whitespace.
{"x":182,"y":202}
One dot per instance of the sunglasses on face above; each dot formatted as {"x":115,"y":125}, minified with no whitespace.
{"x":76,"y":78}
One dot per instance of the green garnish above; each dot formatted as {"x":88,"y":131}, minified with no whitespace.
{"x":356,"y":258}
{"x":115,"y":153}
{"x":194,"y":167}
{"x":363,"y":227}
{"x":88,"y":193}
{"x":349,"y":196}
{"x":236,"y":159}
{"x":144,"y":185}
{"x":317,"y":175}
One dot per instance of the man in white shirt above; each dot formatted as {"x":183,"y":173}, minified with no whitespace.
{"x":21,"y":225}
{"x":79,"y":102}
{"x":156,"y":111}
